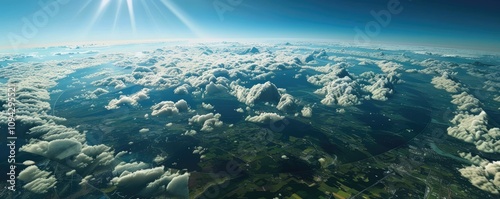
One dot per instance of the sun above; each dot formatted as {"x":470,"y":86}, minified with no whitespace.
{"x":130,"y":6}
{"x":103,"y":6}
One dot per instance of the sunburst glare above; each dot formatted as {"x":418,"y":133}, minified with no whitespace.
{"x":114,"y":11}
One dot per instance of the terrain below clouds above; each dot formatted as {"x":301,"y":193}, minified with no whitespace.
{"x":279,"y":120}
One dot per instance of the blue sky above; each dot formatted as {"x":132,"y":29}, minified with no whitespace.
{"x":459,"y":23}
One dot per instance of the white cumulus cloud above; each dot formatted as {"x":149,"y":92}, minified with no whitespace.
{"x":485,"y":177}
{"x":208,"y":121}
{"x":130,"y":100}
{"x":36,"y":180}
{"x":265,"y":118}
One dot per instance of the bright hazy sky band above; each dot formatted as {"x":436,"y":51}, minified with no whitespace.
{"x":458,"y":23}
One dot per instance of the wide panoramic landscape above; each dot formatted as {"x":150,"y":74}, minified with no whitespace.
{"x":252,"y":117}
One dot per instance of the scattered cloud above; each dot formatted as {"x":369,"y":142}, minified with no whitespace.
{"x":207,"y":106}
{"x":286,"y":102}
{"x":474,"y":159}
{"x":144,"y":130}
{"x":380,"y":89}
{"x":136,"y":179}
{"x":341,"y":91}
{"x":169,"y":108}
{"x":55,"y":149}
{"x":446,"y":82}
{"x":182,"y":90}
{"x":208,"y":121}
{"x":36,"y":180}
{"x":265,"y":118}
{"x":466,"y":102}
{"x":51,"y":131}
{"x":129,"y":167}
{"x":129,"y":100}
{"x":474,"y":129}
{"x":306,"y":111}
{"x":214,"y":88}
{"x":267,"y":92}
{"x":485,"y":177}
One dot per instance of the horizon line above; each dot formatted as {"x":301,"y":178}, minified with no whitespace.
{"x":211,"y":40}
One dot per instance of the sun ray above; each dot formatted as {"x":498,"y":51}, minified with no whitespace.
{"x":182,"y":17}
{"x":117,"y":14}
{"x":102,"y":7}
{"x":158,"y":10}
{"x":148,"y":12}
{"x":83,"y":7}
{"x":130,"y":6}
